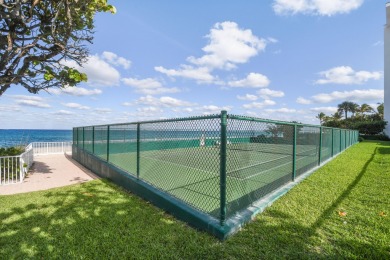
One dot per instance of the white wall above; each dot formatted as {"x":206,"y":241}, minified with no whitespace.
{"x":387,"y":69}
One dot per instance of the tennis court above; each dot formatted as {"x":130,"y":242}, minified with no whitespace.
{"x":183,"y":172}
{"x":217,"y":164}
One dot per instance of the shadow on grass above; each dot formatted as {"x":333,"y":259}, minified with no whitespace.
{"x":92,"y":220}
{"x":288,"y":237}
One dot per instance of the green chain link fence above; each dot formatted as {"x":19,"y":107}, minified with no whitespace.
{"x":217,"y":164}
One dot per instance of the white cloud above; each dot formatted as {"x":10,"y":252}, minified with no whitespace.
{"x":248,"y":97}
{"x":253,"y":80}
{"x":328,"y":110}
{"x":272,"y":40}
{"x":316,"y":7}
{"x":63,"y":113}
{"x":263,"y":104}
{"x":30,"y":101}
{"x":304,"y":101}
{"x":99,"y":72}
{"x":212,"y":109}
{"x":75,"y":91}
{"x":282,"y":110}
{"x":8,"y":108}
{"x":103,"y":110}
{"x":115,"y":60}
{"x":354,"y":95}
{"x":200,"y":74}
{"x":76,"y":106}
{"x":148,"y":86}
{"x":25,"y":97}
{"x":128,"y":104}
{"x":378,"y":43}
{"x":266,"y":93}
{"x":347,"y":76}
{"x":228,"y":45}
{"x":162,"y":101}
{"x":149,"y":109}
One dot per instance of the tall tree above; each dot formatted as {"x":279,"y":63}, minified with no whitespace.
{"x":346,"y":107}
{"x":353,"y":107}
{"x":381,"y":110}
{"x":321,"y":116}
{"x":37,"y":36}
{"x":365,"y":109}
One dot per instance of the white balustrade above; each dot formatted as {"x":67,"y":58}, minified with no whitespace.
{"x":13,"y":169}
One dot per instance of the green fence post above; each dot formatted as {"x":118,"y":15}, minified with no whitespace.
{"x":222,"y":175}
{"x":93,"y":140}
{"x":332,"y":149}
{"x":138,"y":151}
{"x":345,"y":139}
{"x":320,"y":150}
{"x":108,"y":143}
{"x":294,"y":168}
{"x":83,"y":137}
{"x":340,"y":141}
{"x":75,"y":133}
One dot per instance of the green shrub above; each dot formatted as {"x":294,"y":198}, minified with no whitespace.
{"x":11,"y":151}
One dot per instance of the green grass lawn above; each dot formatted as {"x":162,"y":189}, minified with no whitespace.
{"x":341,"y":211}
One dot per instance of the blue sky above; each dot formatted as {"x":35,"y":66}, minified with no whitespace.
{"x":280,"y":59}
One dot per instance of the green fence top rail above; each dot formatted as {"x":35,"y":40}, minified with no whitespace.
{"x":229,"y":116}
{"x":162,"y":120}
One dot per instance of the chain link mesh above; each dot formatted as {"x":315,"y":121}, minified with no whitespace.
{"x":182,"y":157}
{"x":259,"y":160}
{"x":123,"y":147}
{"x":326,"y":147}
{"x":308,"y":146}
{"x":100,"y":142}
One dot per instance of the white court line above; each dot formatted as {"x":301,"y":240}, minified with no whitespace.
{"x":269,"y":161}
{"x":186,"y":166}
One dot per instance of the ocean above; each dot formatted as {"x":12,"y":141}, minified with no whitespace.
{"x":22,"y":137}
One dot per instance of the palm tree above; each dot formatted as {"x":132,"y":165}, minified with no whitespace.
{"x":336,"y":116}
{"x":365,"y":108}
{"x":353,"y":107}
{"x":346,"y":107}
{"x":321,"y":116}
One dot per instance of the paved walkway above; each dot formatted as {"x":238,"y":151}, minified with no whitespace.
{"x":50,"y":171}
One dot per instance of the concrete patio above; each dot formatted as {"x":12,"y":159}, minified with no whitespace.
{"x":50,"y":171}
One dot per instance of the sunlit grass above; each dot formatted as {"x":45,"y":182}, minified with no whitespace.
{"x":341,"y":211}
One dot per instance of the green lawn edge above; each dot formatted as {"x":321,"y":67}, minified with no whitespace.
{"x":340,"y":211}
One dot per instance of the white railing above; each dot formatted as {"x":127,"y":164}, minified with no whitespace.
{"x":13,"y":169}
{"x":41,"y":148}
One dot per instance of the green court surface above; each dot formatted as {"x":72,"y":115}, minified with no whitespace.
{"x":193,"y":174}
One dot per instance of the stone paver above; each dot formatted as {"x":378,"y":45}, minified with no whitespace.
{"x":50,"y":171}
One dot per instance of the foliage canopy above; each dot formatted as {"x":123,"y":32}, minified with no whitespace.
{"x":37,"y":37}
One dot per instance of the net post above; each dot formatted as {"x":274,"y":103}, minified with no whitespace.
{"x":93,"y":140}
{"x":320,"y":148}
{"x":138,"y":150}
{"x":332,"y":153}
{"x":108,"y":143}
{"x":222,"y":165}
{"x":294,"y":167}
